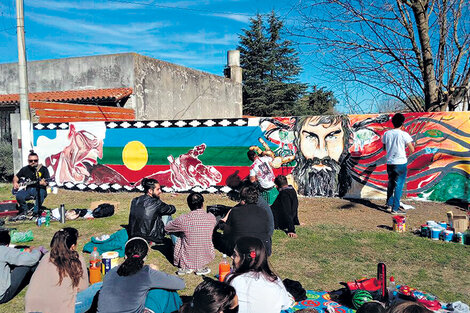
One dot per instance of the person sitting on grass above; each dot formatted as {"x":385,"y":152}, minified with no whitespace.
{"x":285,"y":207}
{"x":371,"y":307}
{"x":258,"y":288}
{"x":149,"y":214}
{"x":194,"y":248}
{"x":16,"y":267}
{"x":212,"y":296}
{"x":60,"y":281}
{"x":132,"y":286}
{"x":245,"y":219}
{"x":408,"y":307}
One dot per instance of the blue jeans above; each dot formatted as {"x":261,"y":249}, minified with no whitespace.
{"x":85,"y":298}
{"x":396,"y":181}
{"x":31,"y":193}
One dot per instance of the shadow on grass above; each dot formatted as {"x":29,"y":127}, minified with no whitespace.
{"x":165,"y":248}
{"x":364,"y":202}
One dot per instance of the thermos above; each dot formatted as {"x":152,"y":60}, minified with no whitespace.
{"x":62,"y":213}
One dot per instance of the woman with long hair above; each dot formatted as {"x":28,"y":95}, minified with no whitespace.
{"x":212,"y":296}
{"x":133,"y":286}
{"x":60,"y":275}
{"x":258,"y":288}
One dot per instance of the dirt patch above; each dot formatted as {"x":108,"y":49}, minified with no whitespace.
{"x":368,"y":214}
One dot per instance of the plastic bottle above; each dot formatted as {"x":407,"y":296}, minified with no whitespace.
{"x":48,"y":219}
{"x":95,"y":266}
{"x":392,"y":290}
{"x":224,"y":268}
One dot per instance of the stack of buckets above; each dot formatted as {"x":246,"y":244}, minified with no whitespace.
{"x":442,"y":231}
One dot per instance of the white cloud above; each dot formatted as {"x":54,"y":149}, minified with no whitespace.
{"x":233,"y":16}
{"x":207,"y":38}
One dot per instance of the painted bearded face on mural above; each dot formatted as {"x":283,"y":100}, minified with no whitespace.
{"x":322,"y":150}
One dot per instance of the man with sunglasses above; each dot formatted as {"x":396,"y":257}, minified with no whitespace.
{"x":34,"y":176}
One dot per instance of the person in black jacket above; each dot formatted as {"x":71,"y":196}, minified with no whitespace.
{"x":246,"y":219}
{"x":285,"y":207}
{"x":148,"y":213}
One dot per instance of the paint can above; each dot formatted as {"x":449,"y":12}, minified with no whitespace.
{"x":435,"y":232}
{"x":459,"y":238}
{"x":109,"y":260}
{"x":425,"y":231}
{"x":448,"y":234}
{"x":443,"y":224}
{"x":399,"y":223}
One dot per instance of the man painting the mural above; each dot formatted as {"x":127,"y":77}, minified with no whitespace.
{"x":30,"y":183}
{"x":261,"y":171}
{"x":322,"y":150}
{"x":395,"y":143}
{"x":149,"y":214}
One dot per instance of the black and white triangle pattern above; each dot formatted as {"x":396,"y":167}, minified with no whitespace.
{"x":179,"y":123}
{"x":155,"y":124}
{"x":118,"y":188}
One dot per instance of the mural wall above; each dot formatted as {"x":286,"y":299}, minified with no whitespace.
{"x":334,"y":155}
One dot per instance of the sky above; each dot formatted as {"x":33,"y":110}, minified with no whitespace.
{"x":195,"y":34}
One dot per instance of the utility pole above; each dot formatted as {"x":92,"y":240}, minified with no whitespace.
{"x":26,"y":127}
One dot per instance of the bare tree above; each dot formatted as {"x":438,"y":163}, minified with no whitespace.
{"x":407,"y":49}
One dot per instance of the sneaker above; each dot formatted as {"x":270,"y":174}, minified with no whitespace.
{"x":388,"y":208}
{"x":184,"y":271}
{"x":203,"y":271}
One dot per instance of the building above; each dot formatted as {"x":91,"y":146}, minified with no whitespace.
{"x":160,"y":90}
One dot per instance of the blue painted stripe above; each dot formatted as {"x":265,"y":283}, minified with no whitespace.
{"x":185,"y":136}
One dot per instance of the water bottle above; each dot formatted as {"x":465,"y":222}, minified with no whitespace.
{"x":48,"y":219}
{"x":392,"y":290}
{"x":62,"y":213}
{"x":95,"y":266}
{"x":224,"y":268}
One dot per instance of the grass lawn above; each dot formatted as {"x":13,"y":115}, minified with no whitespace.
{"x":325,"y":253}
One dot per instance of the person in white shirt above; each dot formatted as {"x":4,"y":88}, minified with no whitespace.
{"x":261,"y":171}
{"x":395,"y":142}
{"x":258,"y":288}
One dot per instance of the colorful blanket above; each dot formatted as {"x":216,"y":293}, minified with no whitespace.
{"x":319,"y":300}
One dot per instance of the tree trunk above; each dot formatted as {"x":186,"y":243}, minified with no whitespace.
{"x":431,"y":96}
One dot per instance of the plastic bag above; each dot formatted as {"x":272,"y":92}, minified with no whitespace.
{"x":17,"y":236}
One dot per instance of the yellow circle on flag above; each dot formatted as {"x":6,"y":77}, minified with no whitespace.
{"x":134,"y":155}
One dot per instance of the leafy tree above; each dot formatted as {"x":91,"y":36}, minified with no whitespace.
{"x":317,"y":102}
{"x":270,"y":69}
{"x":405,"y":49}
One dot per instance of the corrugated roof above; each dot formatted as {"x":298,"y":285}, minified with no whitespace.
{"x":87,"y":95}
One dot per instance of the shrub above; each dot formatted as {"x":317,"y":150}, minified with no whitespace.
{"x":6,"y":161}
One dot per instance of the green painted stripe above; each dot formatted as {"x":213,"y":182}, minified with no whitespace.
{"x":223,"y":156}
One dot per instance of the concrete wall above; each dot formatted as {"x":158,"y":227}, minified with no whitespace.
{"x":94,"y":72}
{"x":168,"y":91}
{"x":161,"y":90}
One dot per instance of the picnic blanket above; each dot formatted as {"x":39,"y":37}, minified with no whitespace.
{"x":318,"y":300}
{"x":116,"y":242}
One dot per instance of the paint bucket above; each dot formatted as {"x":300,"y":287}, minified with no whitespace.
{"x":109,"y":260}
{"x":399,"y":223}
{"x":435,"y":232}
{"x":425,"y":230}
{"x":443,"y":224}
{"x":459,"y":238}
{"x":448,"y":234}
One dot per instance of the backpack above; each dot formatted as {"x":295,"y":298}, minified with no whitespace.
{"x":103,"y":210}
